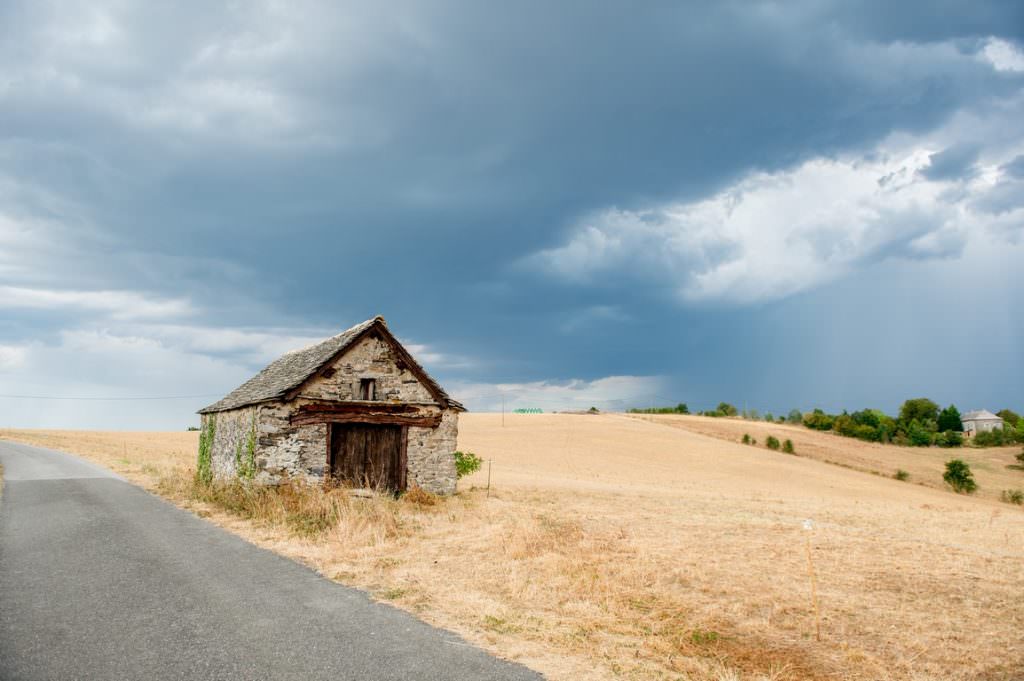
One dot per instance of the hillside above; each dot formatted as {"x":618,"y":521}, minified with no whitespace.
{"x":995,"y":469}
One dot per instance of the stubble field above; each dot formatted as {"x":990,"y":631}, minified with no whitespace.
{"x":617,"y":547}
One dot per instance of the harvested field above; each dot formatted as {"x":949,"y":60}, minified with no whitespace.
{"x":613,"y":547}
{"x":995,"y":469}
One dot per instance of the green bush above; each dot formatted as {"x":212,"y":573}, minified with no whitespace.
{"x":467,"y":463}
{"x":726,"y":409}
{"x":819,"y":420}
{"x":772,"y":442}
{"x":950,"y":438}
{"x":746,"y":438}
{"x":1013,"y":496}
{"x":901,"y":475}
{"x":787,"y":447}
{"x":997,"y":437}
{"x":958,"y":476}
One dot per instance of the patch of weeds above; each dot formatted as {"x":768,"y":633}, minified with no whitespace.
{"x":1013,"y":496}
{"x":419,"y":496}
{"x":702,"y":638}
{"x":901,"y":475}
{"x":499,"y":625}
{"x":392,"y":594}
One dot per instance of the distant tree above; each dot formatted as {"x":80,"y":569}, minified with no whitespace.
{"x":949,"y":419}
{"x":1010,"y":416}
{"x":726,"y":409}
{"x":819,"y":420}
{"x":920,"y":409}
{"x":795,"y":416}
{"x":958,"y":476}
{"x":768,"y":416}
{"x":918,"y":434}
{"x":681,"y":408}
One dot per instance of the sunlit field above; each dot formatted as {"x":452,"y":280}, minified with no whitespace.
{"x":619,"y":547}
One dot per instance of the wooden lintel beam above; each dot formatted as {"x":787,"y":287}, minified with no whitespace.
{"x":301,"y":419}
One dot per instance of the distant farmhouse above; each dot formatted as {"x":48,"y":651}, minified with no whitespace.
{"x":356,"y":408}
{"x":980,"y":421}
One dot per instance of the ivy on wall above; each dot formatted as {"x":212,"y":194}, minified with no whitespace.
{"x":245,"y":465}
{"x":204,"y":462}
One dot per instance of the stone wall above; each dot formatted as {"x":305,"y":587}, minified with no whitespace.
{"x":370,"y":358}
{"x":230,"y":439}
{"x":286,"y":450}
{"x":431,"y":464}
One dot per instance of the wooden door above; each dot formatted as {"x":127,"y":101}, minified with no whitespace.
{"x":368,"y":455}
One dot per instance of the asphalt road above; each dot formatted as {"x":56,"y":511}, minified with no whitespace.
{"x":101,"y":580}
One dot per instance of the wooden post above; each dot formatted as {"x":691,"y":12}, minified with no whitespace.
{"x":488,"y":479}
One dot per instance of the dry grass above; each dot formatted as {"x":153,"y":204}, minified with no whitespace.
{"x":616,"y":548}
{"x":994,"y":468}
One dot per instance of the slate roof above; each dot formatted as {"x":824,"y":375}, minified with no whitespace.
{"x":980,"y":415}
{"x":293,"y":368}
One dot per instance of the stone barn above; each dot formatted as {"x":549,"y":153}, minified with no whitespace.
{"x":355,"y":408}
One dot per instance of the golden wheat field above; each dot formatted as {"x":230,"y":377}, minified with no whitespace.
{"x":637,"y":548}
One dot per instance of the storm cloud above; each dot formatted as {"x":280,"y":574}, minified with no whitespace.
{"x":562,"y":198}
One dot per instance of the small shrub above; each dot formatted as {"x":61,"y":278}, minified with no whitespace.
{"x":772,"y":442}
{"x":787,"y":447}
{"x":467,"y":463}
{"x":419,"y":496}
{"x":746,"y":438}
{"x":901,"y":475}
{"x":753,"y":441}
{"x":958,"y":476}
{"x":1013,"y":496}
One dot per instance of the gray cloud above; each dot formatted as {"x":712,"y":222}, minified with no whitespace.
{"x":289,"y":169}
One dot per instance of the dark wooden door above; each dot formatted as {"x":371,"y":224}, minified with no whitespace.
{"x":367,"y":455}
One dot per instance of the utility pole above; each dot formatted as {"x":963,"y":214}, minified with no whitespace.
{"x":502,"y":412}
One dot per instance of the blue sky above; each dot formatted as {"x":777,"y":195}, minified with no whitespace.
{"x":775,"y":204}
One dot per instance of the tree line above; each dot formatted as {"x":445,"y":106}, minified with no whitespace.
{"x":920,"y":423}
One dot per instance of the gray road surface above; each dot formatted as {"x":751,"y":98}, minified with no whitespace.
{"x":101,"y":580}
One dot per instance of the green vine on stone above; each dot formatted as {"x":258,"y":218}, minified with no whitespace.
{"x":246,"y":467}
{"x":204,"y":462}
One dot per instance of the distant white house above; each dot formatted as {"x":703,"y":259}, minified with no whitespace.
{"x":980,"y":421}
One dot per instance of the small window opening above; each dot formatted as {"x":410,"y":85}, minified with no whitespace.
{"x":367,"y":389}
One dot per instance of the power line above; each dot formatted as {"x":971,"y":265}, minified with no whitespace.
{"x":106,"y":399}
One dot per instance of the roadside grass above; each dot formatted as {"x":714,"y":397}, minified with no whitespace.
{"x":548,"y":579}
